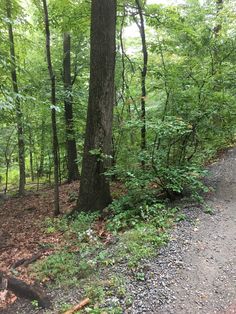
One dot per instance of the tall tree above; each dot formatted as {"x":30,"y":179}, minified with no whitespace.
{"x":72,"y":167}
{"x":94,"y":189}
{"x":219,"y":7}
{"x":40,"y":169}
{"x":53,"y":111}
{"x":141,"y":27}
{"x":19,"y":115}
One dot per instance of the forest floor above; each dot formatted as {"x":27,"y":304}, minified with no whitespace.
{"x":194,"y":273}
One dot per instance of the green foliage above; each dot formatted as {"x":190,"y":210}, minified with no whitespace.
{"x":129,"y":213}
{"x":183,"y":179}
{"x":140,"y":242}
{"x":180,"y":217}
{"x":77,"y":225}
{"x":96,"y":310}
{"x":140,"y":276}
{"x":35,"y":304}
{"x":99,"y":290}
{"x":208,"y":209}
{"x":190,"y":103}
{"x":63,"y":268}
{"x":65,"y":306}
{"x":52,"y":225}
{"x":142,"y":203}
{"x":95,"y":292}
{"x":83,"y":221}
{"x":190,"y":115}
{"x":145,"y":186}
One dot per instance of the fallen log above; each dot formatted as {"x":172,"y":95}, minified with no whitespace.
{"x":78,"y":306}
{"x":23,"y":290}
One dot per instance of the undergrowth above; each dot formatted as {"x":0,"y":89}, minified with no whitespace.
{"x":136,"y":224}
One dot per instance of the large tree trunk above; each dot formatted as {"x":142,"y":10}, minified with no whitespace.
{"x":19,"y":116}
{"x":94,"y":189}
{"x":72,"y":167}
{"x":53,"y":112}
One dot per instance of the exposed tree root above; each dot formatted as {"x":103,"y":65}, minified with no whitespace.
{"x":24,"y":290}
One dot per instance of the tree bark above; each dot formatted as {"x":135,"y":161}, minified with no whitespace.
{"x":19,"y":115}
{"x":42,"y":149}
{"x":141,"y":26}
{"x":219,"y":7}
{"x":72,"y":167}
{"x":7,"y":174}
{"x":215,"y":59}
{"x":95,"y":189}
{"x":31,"y":150}
{"x":53,"y":111}
{"x":23,"y":290}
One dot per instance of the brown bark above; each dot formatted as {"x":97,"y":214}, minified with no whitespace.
{"x":53,"y":111}
{"x":42,"y":149}
{"x":31,"y":150}
{"x":141,"y":26}
{"x":72,"y":167}
{"x":219,"y":7}
{"x":8,"y":154}
{"x":23,"y":290}
{"x":19,"y":115}
{"x":94,"y":189}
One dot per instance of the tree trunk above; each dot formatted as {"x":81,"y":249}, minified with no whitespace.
{"x":94,"y":189}
{"x":141,"y":27}
{"x":72,"y":167}
{"x":53,"y":111}
{"x":31,"y":150}
{"x":7,"y":174}
{"x":215,"y":59}
{"x":42,"y":149}
{"x":19,"y":116}
{"x":219,"y":7}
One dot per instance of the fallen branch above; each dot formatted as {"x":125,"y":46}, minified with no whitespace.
{"x":78,"y":306}
{"x":24,"y":290}
{"x":26,"y":261}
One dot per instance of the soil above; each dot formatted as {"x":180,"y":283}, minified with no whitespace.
{"x":196,"y":271}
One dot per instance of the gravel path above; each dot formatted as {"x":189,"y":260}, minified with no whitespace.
{"x":196,"y":272}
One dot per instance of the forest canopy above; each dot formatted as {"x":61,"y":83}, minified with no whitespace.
{"x":170,"y":109}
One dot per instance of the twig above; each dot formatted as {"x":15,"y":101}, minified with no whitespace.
{"x":78,"y":306}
